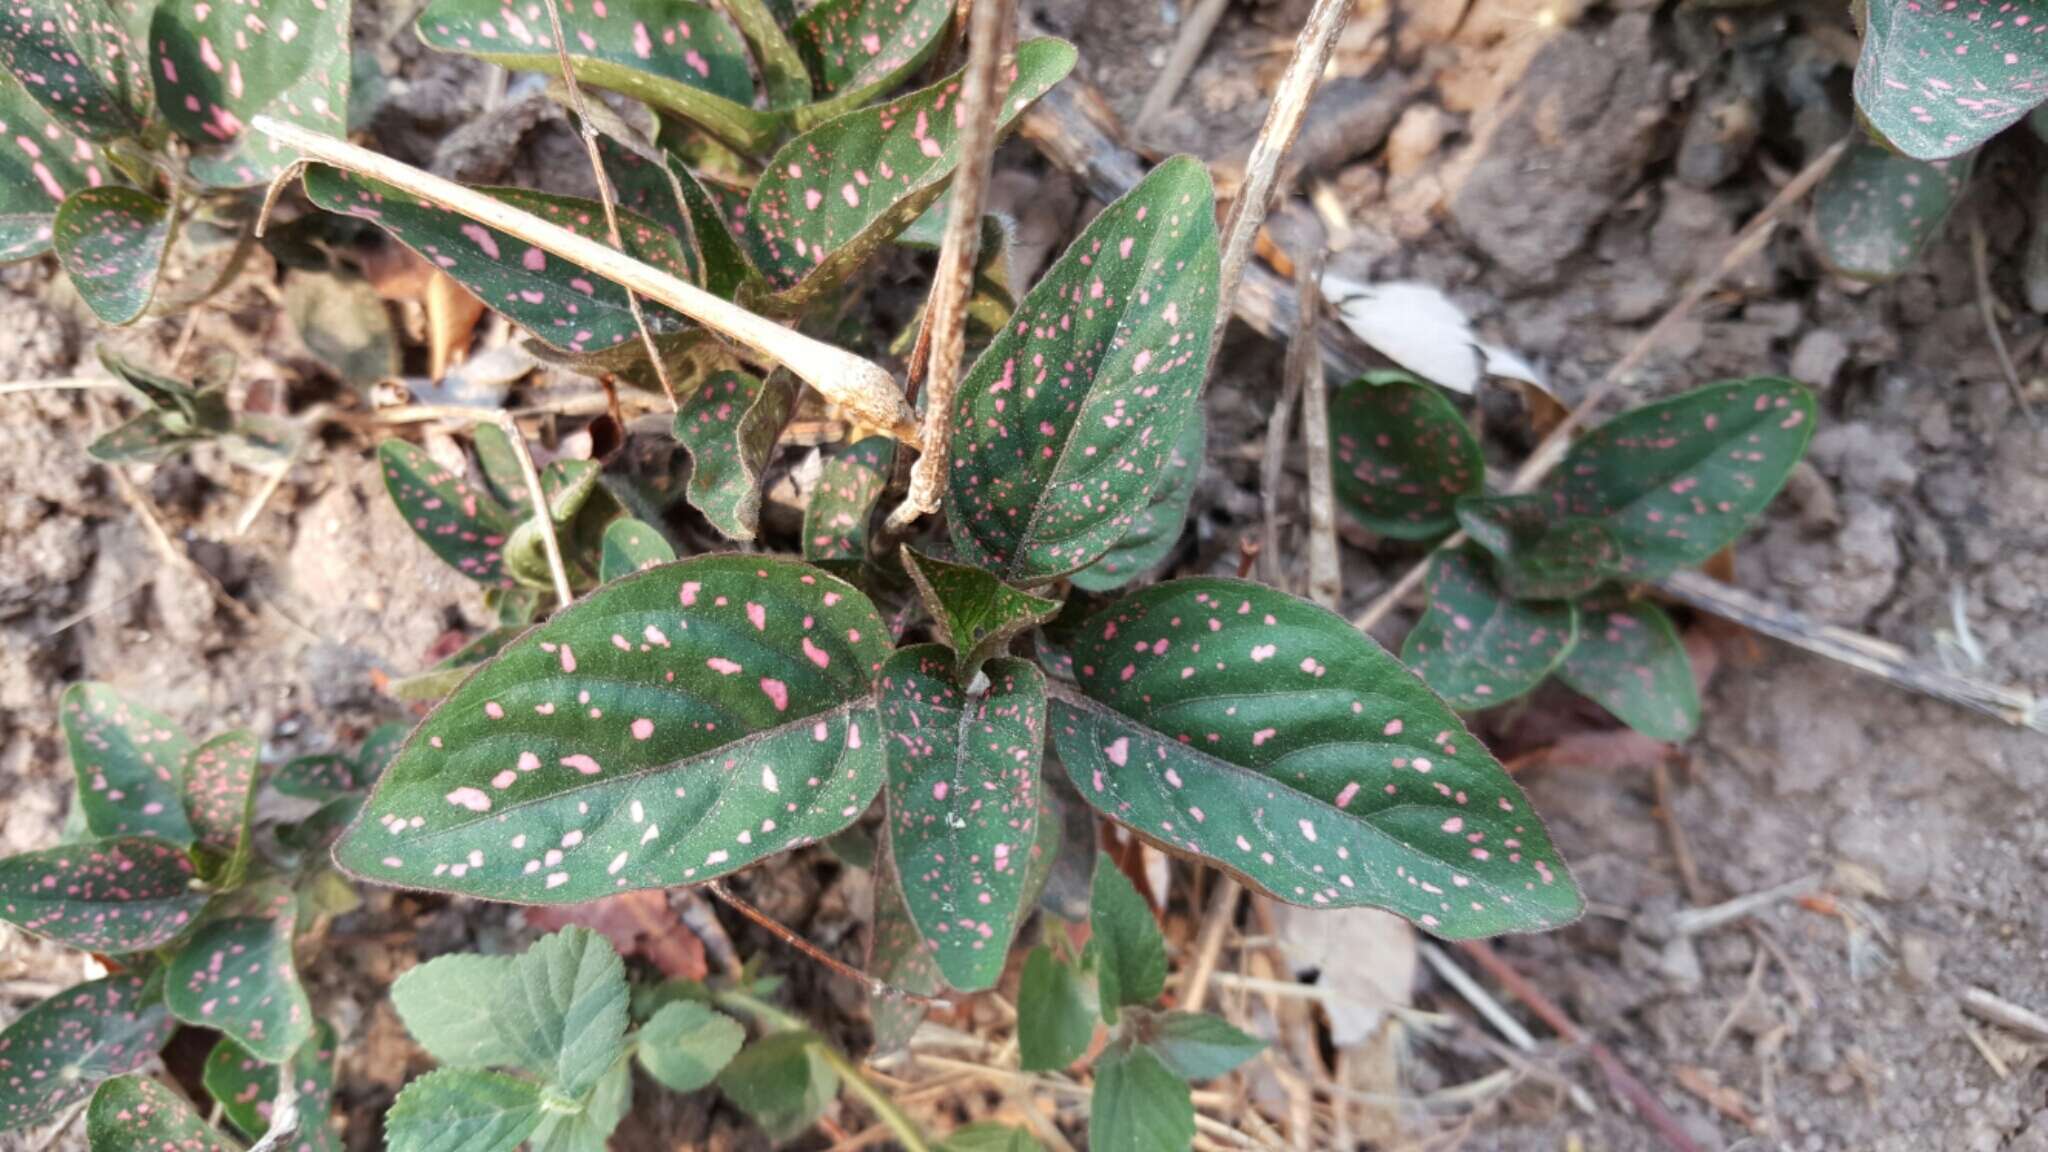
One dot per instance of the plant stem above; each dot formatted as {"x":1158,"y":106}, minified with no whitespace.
{"x":859,"y":386}
{"x":885,"y":1109}
{"x":874,"y":985}
{"x":543,"y":515}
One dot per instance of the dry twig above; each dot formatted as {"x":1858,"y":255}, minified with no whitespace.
{"x":1993,"y":1009}
{"x":1325,"y":570}
{"x":543,"y":514}
{"x":1194,"y":35}
{"x":1987,"y":307}
{"x":875,"y":985}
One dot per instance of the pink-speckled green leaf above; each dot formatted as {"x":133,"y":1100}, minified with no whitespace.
{"x":671,"y":727}
{"x":1477,"y":647}
{"x":126,"y":894}
{"x":54,"y":1054}
{"x":1157,"y":529}
{"x":897,"y":956}
{"x":842,"y":506}
{"x":459,"y":520}
{"x":287,"y":59}
{"x":111,"y":242}
{"x":41,"y":162}
{"x":220,"y":801}
{"x":327,"y":775}
{"x":1065,"y":427}
{"x":730,"y":426}
{"x":1676,"y":481}
{"x":130,"y":764}
{"x":1537,"y":557}
{"x":1268,"y":736}
{"x":977,"y":614}
{"x":135,"y":1113}
{"x":831,"y":197}
{"x":236,"y":976}
{"x":442,"y":678}
{"x":963,"y":803}
{"x":859,"y":49}
{"x":783,"y":75}
{"x":568,"y":308}
{"x":1877,"y":209}
{"x":1403,"y":455}
{"x":1630,"y":661}
{"x":652,"y":190}
{"x":673,"y":55}
{"x":246,"y":1089}
{"x":629,"y":546}
{"x":1939,"y":78}
{"x":80,"y":61}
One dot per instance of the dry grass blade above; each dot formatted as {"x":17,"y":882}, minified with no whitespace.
{"x":543,"y":516}
{"x":1325,"y":570}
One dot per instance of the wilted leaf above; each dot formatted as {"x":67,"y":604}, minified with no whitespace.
{"x":245,"y":1087}
{"x":1475,"y":647}
{"x":1630,"y":661}
{"x":1157,"y":529}
{"x":1297,"y":753}
{"x":54,"y":1054}
{"x":859,"y":49}
{"x":1129,"y":952}
{"x":963,"y":803}
{"x":128,"y":894}
{"x":842,"y":506}
{"x":80,"y":63}
{"x":287,"y":59}
{"x":237,"y":976}
{"x":685,"y":1045}
{"x":147,"y":439}
{"x":463,"y":1110}
{"x":832,"y":196}
{"x":1139,"y":1105}
{"x":137,"y":1114}
{"x":629,"y":546}
{"x":1055,"y":1015}
{"x":1877,"y":209}
{"x":41,"y":162}
{"x":1939,"y":79}
{"x":977,"y":614}
{"x":1403,"y":455}
{"x":111,"y":242}
{"x":1066,"y":424}
{"x":730,"y":426}
{"x":671,"y":727}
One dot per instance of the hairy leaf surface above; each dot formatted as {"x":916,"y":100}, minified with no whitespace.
{"x":111,"y":242}
{"x":671,"y":727}
{"x":1139,"y":1105}
{"x":1268,"y":736}
{"x":977,"y":614}
{"x":1066,"y":425}
{"x":130,"y":764}
{"x":463,"y":1110}
{"x":1939,"y":79}
{"x":53,"y":1055}
{"x":1129,"y":952}
{"x":1877,"y":209}
{"x":437,"y":999}
{"x":1403,"y":455}
{"x":563,"y":1017}
{"x":1055,"y":1014}
{"x":686,"y":1044}
{"x":237,"y":977}
{"x":1476,"y":647}
{"x":782,"y":1082}
{"x":1630,"y":661}
{"x":127,"y":894}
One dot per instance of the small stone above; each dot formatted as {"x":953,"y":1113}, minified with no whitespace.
{"x":1415,"y":139}
{"x":1937,"y":430}
{"x":1679,"y":964}
{"x":1818,"y":357}
{"x":1920,"y":957}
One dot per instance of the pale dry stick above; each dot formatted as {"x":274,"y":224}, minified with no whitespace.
{"x":874,"y":984}
{"x":1681,"y":847}
{"x":1980,"y":270}
{"x":58,"y":384}
{"x":1884,"y":660}
{"x":945,"y":317}
{"x":1994,"y":1009}
{"x":543,"y":515}
{"x":1693,"y":921}
{"x":860,"y":387}
{"x":1553,"y":446}
{"x":172,"y":552}
{"x":605,"y":196}
{"x":1262,"y":170}
{"x":1999,"y":1067}
{"x":1279,"y":433}
{"x":1325,"y":570}
{"x":1180,"y":61}
{"x":1222,"y":915}
{"x":1476,"y":995}
{"x":1295,"y":990}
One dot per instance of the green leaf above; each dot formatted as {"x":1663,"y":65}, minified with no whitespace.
{"x":246,"y":1088}
{"x":963,"y":803}
{"x":686,"y":1045}
{"x":1937,"y":80}
{"x":1630,"y":661}
{"x":832,"y":196}
{"x":652,"y":189}
{"x":1055,"y":1015}
{"x":220,"y":798}
{"x":111,"y":242}
{"x":1404,"y":455}
{"x":1129,"y":952}
{"x":438,"y":1002}
{"x":783,"y":74}
{"x":130,"y":764}
{"x":1065,"y":426}
{"x":79,"y":63}
{"x":782,"y":1081}
{"x":632,"y":546}
{"x":1139,"y":1105}
{"x":41,"y":162}
{"x":977,"y":615}
{"x":202,"y":408}
{"x":859,"y":49}
{"x":463,"y":1110}
{"x":1676,"y":481}
{"x":54,"y":1054}
{"x":443,"y":678}
{"x":1877,"y":209}
{"x":990,"y":1137}
{"x":378,"y":748}
{"x":570,"y":309}
{"x":586,"y":1125}
{"x":237,"y":976}
{"x":148,"y":439}
{"x":129,"y":894}
{"x":1157,"y":529}
{"x":137,"y":1114}
{"x":673,"y":55}
{"x":563,"y":1015}
{"x":1537,"y":554}
{"x":1475,"y":647}
{"x":897,"y":956}
{"x":728,"y":717}
{"x":287,"y":59}
{"x":463,"y":525}
{"x":730,"y":426}
{"x":842,"y":507}
{"x":330,"y":774}
{"x":1195,"y":1046}
{"x":1295,"y":752}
